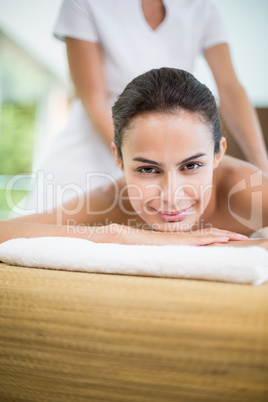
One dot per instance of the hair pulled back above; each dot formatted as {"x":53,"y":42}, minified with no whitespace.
{"x":165,"y":90}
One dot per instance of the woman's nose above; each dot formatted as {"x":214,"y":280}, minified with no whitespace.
{"x":172,"y":188}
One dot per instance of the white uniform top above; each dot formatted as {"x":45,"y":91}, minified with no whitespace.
{"x":130,"y":47}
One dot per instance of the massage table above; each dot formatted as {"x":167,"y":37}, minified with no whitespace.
{"x":72,"y":336}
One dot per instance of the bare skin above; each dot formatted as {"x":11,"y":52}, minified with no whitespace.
{"x":154,"y":12}
{"x":162,"y":200}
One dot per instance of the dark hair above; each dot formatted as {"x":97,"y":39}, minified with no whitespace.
{"x":165,"y":90}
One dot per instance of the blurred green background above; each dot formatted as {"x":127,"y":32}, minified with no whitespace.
{"x":17,"y":138}
{"x":27,"y":91}
{"x":16,"y":148}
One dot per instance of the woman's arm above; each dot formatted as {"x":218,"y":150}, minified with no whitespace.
{"x":86,"y":67}
{"x":236,"y":108}
{"x":97,"y":218}
{"x":113,"y":233}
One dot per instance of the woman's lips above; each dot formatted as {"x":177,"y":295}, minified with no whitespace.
{"x":174,"y":216}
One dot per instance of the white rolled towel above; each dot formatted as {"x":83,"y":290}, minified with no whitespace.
{"x":248,"y":265}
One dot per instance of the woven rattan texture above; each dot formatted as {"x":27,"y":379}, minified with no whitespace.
{"x":69,"y":336}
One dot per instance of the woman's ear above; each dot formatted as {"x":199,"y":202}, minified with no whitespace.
{"x":118,"y":159}
{"x":219,"y":155}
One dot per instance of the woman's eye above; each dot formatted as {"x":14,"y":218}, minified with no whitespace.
{"x":192,"y":166}
{"x":148,"y":170}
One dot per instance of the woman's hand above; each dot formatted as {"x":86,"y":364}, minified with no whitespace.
{"x":246,"y":243}
{"x":127,"y":235}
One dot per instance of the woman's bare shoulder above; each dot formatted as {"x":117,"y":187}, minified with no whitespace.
{"x":237,"y":179}
{"x":242,"y":194}
{"x":98,"y":206}
{"x":113,"y":189}
{"x":110,"y":203}
{"x":233,"y":170}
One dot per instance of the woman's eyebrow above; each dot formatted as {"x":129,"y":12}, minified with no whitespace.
{"x":191,"y":158}
{"x":144,"y":160}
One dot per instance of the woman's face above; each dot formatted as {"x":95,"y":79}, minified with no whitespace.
{"x":168,"y":162}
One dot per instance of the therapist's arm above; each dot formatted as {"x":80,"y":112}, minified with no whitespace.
{"x":86,"y":67}
{"x":241,"y":118}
